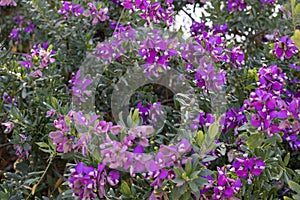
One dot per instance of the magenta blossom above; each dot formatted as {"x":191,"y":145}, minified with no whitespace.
{"x":284,"y":48}
{"x":248,"y":167}
{"x":9,"y":126}
{"x":8,"y":3}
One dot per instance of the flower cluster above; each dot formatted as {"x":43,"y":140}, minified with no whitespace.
{"x":66,"y":140}
{"x":152,"y":11}
{"x":203,"y":120}
{"x":234,"y":5}
{"x":157,"y":52}
{"x":268,"y":2}
{"x":150,"y":113}
{"x":85,"y":180}
{"x":41,"y":56}
{"x":8,"y":100}
{"x":284,"y":48}
{"x":98,"y":15}
{"x":68,"y":7}
{"x":248,"y":167}
{"x":9,"y":126}
{"x":198,"y":28}
{"x":79,"y":88}
{"x":273,"y":110}
{"x":271,"y":79}
{"x":233,"y":119}
{"x":208,"y":78}
{"x":23,"y":148}
{"x":8,"y":3}
{"x":20,"y":21}
{"x":127,"y":153}
{"x":223,"y":187}
{"x":214,"y":42}
{"x":111,"y":50}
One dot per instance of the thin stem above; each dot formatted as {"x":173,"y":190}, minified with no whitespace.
{"x":42,"y":177}
{"x":293,"y":15}
{"x":119,"y":20}
{"x":188,"y":14}
{"x":4,"y":145}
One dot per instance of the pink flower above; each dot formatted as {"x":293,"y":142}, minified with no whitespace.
{"x":8,"y":3}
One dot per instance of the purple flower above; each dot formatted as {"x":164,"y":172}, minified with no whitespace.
{"x":197,"y":28}
{"x":82,"y":143}
{"x":15,"y":33}
{"x":152,"y":11}
{"x":102,"y":127}
{"x":83,"y":181}
{"x":9,"y":100}
{"x":113,"y":178}
{"x":272,"y":79}
{"x":23,"y":148}
{"x":248,"y":167}
{"x":9,"y":126}
{"x":61,"y":141}
{"x":220,"y":28}
{"x":7,"y":3}
{"x":19,"y":20}
{"x":208,"y":78}
{"x":291,"y":132}
{"x":99,"y":16}
{"x":236,"y":57}
{"x":234,"y":5}
{"x":293,"y":66}
{"x":50,"y":113}
{"x":226,"y":187}
{"x":203,"y":119}
{"x":29,"y":28}
{"x":79,"y":88}
{"x":115,"y":130}
{"x":150,"y":113}
{"x":184,"y":146}
{"x":233,"y":119}
{"x":157,"y":53}
{"x":284,"y":48}
{"x":37,"y":73}
{"x":65,"y":9}
{"x":269,"y":2}
{"x":76,"y":9}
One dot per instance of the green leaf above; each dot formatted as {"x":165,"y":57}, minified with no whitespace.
{"x":135,"y":116}
{"x":213,"y":130}
{"x":125,"y":188}
{"x":296,"y":197}
{"x":293,"y":3}
{"x":200,"y":138}
{"x":193,"y":187}
{"x":178,"y":180}
{"x":287,"y":159}
{"x":54,"y":103}
{"x":177,"y":171}
{"x":255,"y":140}
{"x":296,"y":36}
{"x":188,"y":167}
{"x":294,"y":186}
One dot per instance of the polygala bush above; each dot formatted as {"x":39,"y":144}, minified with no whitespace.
{"x":150,"y":99}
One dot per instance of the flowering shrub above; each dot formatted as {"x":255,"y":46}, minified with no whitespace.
{"x":215,"y":112}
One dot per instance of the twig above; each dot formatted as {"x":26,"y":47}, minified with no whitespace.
{"x":188,"y":14}
{"x":42,"y":177}
{"x":293,"y":15}
{"x":4,"y":145}
{"x":119,"y":20}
